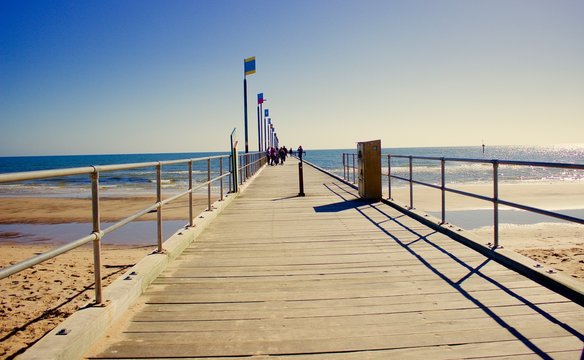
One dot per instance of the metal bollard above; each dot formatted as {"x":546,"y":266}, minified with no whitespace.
{"x":300,"y":179}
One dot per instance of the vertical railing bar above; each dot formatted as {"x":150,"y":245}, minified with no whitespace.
{"x":208,"y":184}
{"x":354,"y":178}
{"x":242,"y":170}
{"x":221,"y":175}
{"x":159,"y":200}
{"x":245,"y":169}
{"x":411,"y":185}
{"x":231,"y":171}
{"x":495,"y":204}
{"x":191,"y":193}
{"x":442,"y":189}
{"x":344,"y":168}
{"x":96,"y":217}
{"x":348,"y":167}
{"x":389,"y":177}
{"x":348,"y":171}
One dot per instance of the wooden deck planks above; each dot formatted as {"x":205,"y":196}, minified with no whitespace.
{"x":329,"y":276}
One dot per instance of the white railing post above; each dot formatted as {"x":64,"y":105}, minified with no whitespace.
{"x":208,"y":184}
{"x":159,"y":208}
{"x":221,"y":175}
{"x":495,"y":204}
{"x":354,"y":178}
{"x":442,"y":188}
{"x":389,"y":177}
{"x":96,"y":217}
{"x":411,"y":184}
{"x":191,"y":193}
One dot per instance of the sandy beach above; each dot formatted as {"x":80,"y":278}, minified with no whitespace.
{"x":559,"y":245}
{"x":548,"y":196}
{"x":36,"y":300}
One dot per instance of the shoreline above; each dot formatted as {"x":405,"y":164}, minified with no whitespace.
{"x":28,"y":209}
{"x":62,"y":210}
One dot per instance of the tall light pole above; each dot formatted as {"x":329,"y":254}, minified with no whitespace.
{"x":249,"y":67}
{"x":266,"y":134}
{"x":260,"y":120}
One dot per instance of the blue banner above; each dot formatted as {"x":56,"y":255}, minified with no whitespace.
{"x":249,"y":65}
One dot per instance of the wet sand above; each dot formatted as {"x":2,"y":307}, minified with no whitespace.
{"x":60,"y":210}
{"x":549,"y":196}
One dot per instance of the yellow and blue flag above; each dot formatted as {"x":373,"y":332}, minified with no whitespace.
{"x":249,"y":66}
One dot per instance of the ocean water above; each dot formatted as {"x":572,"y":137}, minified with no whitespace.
{"x":464,"y":172}
{"x":175,"y":177}
{"x":139,"y":181}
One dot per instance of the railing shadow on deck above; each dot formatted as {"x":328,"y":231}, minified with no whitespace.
{"x":351,"y":201}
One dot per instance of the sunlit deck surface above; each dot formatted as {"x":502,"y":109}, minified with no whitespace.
{"x":329,"y":276}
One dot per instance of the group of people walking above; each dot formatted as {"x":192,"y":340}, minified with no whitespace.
{"x":278,"y":156}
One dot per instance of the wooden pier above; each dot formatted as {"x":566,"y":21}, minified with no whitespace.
{"x":329,"y":276}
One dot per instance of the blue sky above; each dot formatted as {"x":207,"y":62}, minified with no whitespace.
{"x":83,"y":77}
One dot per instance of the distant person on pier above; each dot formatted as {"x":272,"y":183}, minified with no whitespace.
{"x":282,"y":154}
{"x":273,"y":156}
{"x":268,"y":155}
{"x":291,"y":151}
{"x":300,"y":152}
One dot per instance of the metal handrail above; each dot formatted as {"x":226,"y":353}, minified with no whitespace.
{"x":97,"y":234}
{"x":250,"y":164}
{"x":443,"y":188}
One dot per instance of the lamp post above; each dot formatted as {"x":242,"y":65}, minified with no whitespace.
{"x":249,"y":67}
{"x":266,"y":129}
{"x":261,"y":133}
{"x":270,"y":132}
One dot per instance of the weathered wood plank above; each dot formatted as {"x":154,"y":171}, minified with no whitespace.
{"x":322,"y":278}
